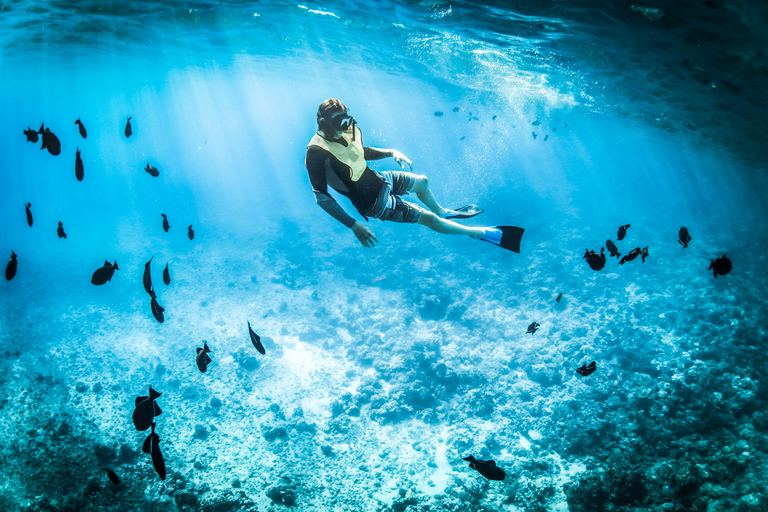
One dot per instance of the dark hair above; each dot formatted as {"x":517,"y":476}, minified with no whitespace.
{"x":326,"y":110}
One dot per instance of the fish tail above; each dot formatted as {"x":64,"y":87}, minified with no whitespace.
{"x":115,"y":266}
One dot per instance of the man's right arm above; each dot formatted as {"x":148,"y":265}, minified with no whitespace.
{"x":315,"y":161}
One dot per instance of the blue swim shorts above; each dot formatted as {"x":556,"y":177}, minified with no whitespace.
{"x":389,"y":206}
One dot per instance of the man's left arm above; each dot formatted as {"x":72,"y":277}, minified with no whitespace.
{"x":378,"y":154}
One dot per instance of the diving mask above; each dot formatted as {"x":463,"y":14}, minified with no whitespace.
{"x":342,"y":123}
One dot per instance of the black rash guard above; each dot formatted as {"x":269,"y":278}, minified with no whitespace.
{"x":325,"y":169}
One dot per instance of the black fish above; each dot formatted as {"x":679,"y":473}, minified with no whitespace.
{"x":644,"y":254}
{"x":487,"y":468}
{"x":146,"y":410}
{"x":31,"y":134}
{"x":546,"y":137}
{"x":536,"y":123}
{"x":684,"y":237}
{"x":104,"y":274}
{"x":595,"y":261}
{"x":128,"y":131}
{"x":534,"y":135}
{"x":190,"y":232}
{"x":83,"y":133}
{"x":719,"y":266}
{"x":157,"y":309}
{"x":60,"y":231}
{"x":148,"y":277}
{"x":438,"y":114}
{"x":29,"y":214}
{"x":152,"y":170}
{"x":10,"y":269}
{"x":79,"y":172}
{"x":559,"y":297}
{"x":455,"y":109}
{"x":256,"y":340}
{"x":201,"y":359}
{"x":152,"y":446}
{"x":587,"y":369}
{"x":634,"y":253}
{"x":50,"y":141}
{"x":112,"y":476}
{"x":166,"y":226}
{"x":166,"y":275}
{"x":622,"y":232}
{"x":532,"y":328}
{"x":612,"y":248}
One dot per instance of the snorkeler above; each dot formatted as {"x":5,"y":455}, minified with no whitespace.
{"x":336,"y":157}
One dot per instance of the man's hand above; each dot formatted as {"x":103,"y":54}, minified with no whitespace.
{"x":401,"y":159}
{"x":364,"y":234}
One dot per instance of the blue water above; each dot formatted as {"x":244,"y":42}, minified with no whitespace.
{"x":385,"y":367}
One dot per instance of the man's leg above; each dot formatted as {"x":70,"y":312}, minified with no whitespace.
{"x":447,"y":227}
{"x":421,"y":187}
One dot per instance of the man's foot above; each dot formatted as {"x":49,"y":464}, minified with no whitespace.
{"x":492,"y":235}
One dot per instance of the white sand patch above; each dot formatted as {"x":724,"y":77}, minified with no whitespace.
{"x":439,"y":479}
{"x":567,"y":472}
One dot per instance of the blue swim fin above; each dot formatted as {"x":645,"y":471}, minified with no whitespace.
{"x":507,"y":237}
{"x":465,"y":212}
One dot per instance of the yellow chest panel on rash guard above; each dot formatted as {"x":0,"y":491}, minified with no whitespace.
{"x":351,"y":154}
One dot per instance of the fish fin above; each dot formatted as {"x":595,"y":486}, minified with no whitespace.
{"x":207,"y":359}
{"x":470,"y":458}
{"x":140,"y":399}
{"x":198,"y":350}
{"x":158,"y":412}
{"x":115,"y":266}
{"x":154,"y":395}
{"x":147,"y":446}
